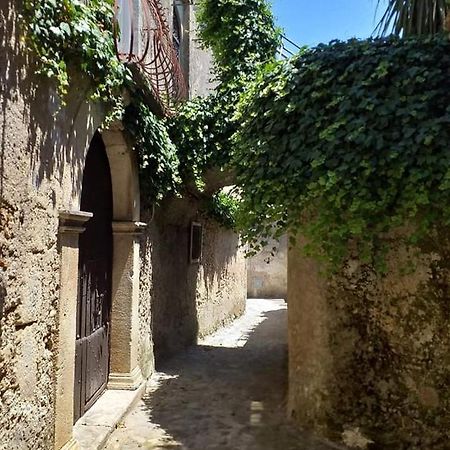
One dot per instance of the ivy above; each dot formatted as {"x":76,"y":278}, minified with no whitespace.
{"x":343,"y":143}
{"x":347,"y":142}
{"x":158,"y":159}
{"x":71,"y":36}
{"x":241,"y":34}
{"x":223,"y":207}
{"x":243,"y":38}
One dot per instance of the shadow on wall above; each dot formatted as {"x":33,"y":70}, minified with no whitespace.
{"x":219,"y":249}
{"x":173,"y":295}
{"x":225,"y":398}
{"x":32,"y":117}
{"x":183,"y":293}
{"x":267,"y":271}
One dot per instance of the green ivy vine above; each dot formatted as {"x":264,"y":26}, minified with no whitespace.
{"x":71,"y":36}
{"x":242,"y":36}
{"x":243,"y":39}
{"x":343,"y":143}
{"x":158,"y":159}
{"x":346,"y":143}
{"x":223,"y":208}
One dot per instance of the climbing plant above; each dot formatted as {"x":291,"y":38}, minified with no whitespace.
{"x":223,"y":207}
{"x":241,"y":34}
{"x":70,"y":37}
{"x":74,"y":37}
{"x":243,"y":39}
{"x":346,"y":142}
{"x":158,"y":159}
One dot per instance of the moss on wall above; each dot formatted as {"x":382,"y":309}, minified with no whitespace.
{"x":370,"y":359}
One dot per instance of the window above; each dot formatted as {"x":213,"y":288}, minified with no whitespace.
{"x":177,"y":30}
{"x":196,"y":242}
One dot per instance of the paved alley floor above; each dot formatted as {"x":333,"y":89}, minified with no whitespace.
{"x":226,"y":393}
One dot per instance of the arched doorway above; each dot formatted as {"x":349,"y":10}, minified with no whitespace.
{"x":92,"y":346}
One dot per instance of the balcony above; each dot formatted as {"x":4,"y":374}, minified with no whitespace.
{"x":144,"y":42}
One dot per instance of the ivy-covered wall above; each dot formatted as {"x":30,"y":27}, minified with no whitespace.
{"x":348,"y":141}
{"x":369,"y":354}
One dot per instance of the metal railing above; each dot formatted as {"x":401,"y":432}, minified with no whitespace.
{"x":144,"y":38}
{"x":288,"y":48}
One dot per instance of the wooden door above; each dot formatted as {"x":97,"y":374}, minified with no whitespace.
{"x":94,"y":289}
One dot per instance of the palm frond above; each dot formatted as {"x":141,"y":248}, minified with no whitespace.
{"x":413,"y":17}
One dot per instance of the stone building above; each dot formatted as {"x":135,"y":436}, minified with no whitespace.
{"x":73,"y":235}
{"x":267,"y":271}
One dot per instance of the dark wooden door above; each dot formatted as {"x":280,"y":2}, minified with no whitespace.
{"x":94,"y":289}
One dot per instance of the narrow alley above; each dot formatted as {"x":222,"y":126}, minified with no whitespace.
{"x":226,"y":393}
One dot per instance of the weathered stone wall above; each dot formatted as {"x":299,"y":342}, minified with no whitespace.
{"x":222,"y":279}
{"x":196,"y":62}
{"x":267,"y":273}
{"x":200,"y":61}
{"x":369,"y":354}
{"x":42,"y":153}
{"x":189,"y":299}
{"x":41,"y":162}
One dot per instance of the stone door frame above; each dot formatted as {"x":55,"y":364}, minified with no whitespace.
{"x":124,"y":368}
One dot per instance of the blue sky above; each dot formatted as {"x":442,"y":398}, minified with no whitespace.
{"x":309,"y":22}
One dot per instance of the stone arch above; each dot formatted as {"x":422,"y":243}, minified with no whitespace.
{"x":124,"y":175}
{"x":124,"y":368}
{"x":124,"y":372}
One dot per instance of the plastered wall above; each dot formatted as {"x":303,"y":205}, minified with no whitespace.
{"x":267,"y":271}
{"x":187,"y":299}
{"x":41,"y":161}
{"x":368,"y":354}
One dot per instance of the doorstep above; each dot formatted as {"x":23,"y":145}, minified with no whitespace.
{"x":94,"y":428}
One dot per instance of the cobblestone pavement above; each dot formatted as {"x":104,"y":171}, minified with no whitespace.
{"x":226,"y":393}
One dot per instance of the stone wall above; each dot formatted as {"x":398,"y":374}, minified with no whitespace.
{"x":189,"y":300}
{"x":42,"y":149}
{"x":267,"y":272}
{"x":369,"y":354}
{"x":196,"y":61}
{"x":42,"y":154}
{"x":200,"y":61}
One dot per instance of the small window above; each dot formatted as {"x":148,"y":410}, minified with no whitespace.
{"x":196,"y":242}
{"x":177,"y":32}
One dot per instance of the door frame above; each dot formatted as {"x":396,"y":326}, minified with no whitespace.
{"x":95,"y":275}
{"x":124,"y":333}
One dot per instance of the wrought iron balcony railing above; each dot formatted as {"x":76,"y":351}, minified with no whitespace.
{"x":144,"y":39}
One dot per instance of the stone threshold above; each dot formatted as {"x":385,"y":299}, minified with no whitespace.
{"x":93,"y":429}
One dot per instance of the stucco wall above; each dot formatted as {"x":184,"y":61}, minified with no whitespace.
{"x":196,"y":62}
{"x":189,"y":299}
{"x":201,"y":61}
{"x":41,"y":162}
{"x":42,"y":154}
{"x":267,"y":273}
{"x":369,"y":354}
